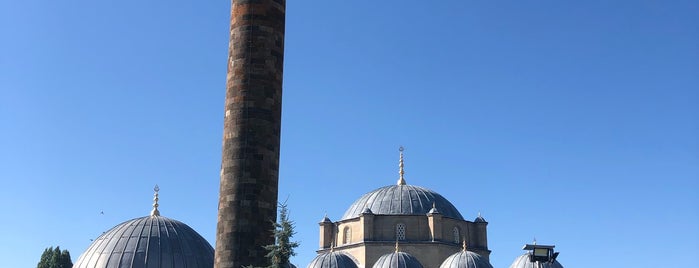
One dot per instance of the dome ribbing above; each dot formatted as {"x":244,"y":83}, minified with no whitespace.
{"x":397,"y":260}
{"x":524,"y":261}
{"x":466,"y":259}
{"x":152,"y":241}
{"x":402,"y":200}
{"x":332,"y":260}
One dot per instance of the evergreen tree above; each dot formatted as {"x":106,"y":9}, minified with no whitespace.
{"x":55,"y":258}
{"x":283,"y":248}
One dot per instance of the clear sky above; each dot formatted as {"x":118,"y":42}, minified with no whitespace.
{"x":575,"y":122}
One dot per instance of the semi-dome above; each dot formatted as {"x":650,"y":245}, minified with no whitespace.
{"x":402,"y":199}
{"x":397,"y":260}
{"x":466,"y":259}
{"x":332,"y":260}
{"x":524,"y":261}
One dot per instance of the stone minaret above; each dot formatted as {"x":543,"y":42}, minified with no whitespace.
{"x":252,"y":123}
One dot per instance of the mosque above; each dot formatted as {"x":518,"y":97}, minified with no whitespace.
{"x":420,"y":225}
{"x":408,"y":226}
{"x":396,"y":226}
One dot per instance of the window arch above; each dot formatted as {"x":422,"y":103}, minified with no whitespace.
{"x":456,"y":235}
{"x":400,"y":231}
{"x":348,"y":236}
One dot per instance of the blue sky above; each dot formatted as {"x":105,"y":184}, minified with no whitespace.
{"x":575,"y":122}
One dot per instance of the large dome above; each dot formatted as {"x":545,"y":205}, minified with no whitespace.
{"x":152,"y":241}
{"x":466,"y":259}
{"x":525,"y":262}
{"x":402,"y":199}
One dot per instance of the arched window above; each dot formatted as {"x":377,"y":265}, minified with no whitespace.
{"x":457,"y":237}
{"x":348,"y":236}
{"x":400,"y":231}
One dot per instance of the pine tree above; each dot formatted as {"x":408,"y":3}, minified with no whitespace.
{"x":55,"y":258}
{"x":283,"y":248}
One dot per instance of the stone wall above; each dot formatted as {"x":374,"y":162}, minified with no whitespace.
{"x":251,"y":135}
{"x":418,"y":241}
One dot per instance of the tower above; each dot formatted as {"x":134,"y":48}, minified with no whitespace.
{"x":251,"y":134}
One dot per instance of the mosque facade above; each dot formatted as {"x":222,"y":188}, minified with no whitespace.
{"x":409,"y":226}
{"x":403,"y":223}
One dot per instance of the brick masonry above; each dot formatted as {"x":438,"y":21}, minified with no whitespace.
{"x":251,"y":135}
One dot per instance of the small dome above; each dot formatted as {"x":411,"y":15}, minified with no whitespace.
{"x":479,"y":218}
{"x":402,"y":200}
{"x":152,"y":241}
{"x":332,"y":260}
{"x":525,"y":262}
{"x":325,"y":219}
{"x":466,"y":259}
{"x":397,"y":260}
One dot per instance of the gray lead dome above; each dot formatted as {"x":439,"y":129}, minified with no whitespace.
{"x":466,"y":259}
{"x":397,"y":260}
{"x":332,"y":260}
{"x":152,"y":241}
{"x":402,"y":200}
{"x":523,"y":261}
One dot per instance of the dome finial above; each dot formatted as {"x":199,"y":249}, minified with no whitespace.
{"x":534,"y":243}
{"x":155,"y":211}
{"x":401,"y":180}
{"x":463,"y":246}
{"x":397,"y":246}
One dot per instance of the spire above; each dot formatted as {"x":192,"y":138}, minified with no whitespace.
{"x":433,"y":210}
{"x":401,"y":180}
{"x":325,"y":219}
{"x":155,"y":211}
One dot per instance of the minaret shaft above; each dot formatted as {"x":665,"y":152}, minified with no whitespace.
{"x":252,"y":125}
